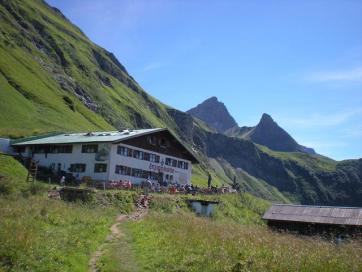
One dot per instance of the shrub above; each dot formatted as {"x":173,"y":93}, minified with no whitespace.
{"x":124,"y":201}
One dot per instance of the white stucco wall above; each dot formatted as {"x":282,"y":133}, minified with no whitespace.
{"x":181,"y":176}
{"x":76,"y":156}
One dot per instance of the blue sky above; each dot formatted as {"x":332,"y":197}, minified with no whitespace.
{"x":299,"y":61}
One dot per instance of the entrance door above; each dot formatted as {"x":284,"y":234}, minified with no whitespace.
{"x":160,"y":177}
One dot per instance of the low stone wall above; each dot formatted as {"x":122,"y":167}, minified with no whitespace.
{"x":76,"y":194}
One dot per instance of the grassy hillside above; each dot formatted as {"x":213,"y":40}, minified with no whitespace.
{"x":12,"y":175}
{"x":311,"y":162}
{"x":171,"y":238}
{"x":55,"y":78}
{"x":318,"y":179}
{"x":40,"y":234}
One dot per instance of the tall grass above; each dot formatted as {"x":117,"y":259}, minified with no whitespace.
{"x":182,"y":242}
{"x":38,"y":234}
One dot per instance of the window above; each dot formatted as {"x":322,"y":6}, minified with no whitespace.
{"x":168,"y":161}
{"x":136,"y":172}
{"x":163,"y":143}
{"x":180,"y":164}
{"x":77,"y":167}
{"x":146,"y":156}
{"x":19,"y":149}
{"x":146,"y":174}
{"x":151,"y":140}
{"x":171,"y":162}
{"x":137,"y":154}
{"x":169,"y":177}
{"x":155,"y":176}
{"x":154,"y":158}
{"x":129,"y":152}
{"x":39,"y":149}
{"x":53,"y":149}
{"x":90,"y":148}
{"x":139,"y":173}
{"x":60,"y":149}
{"x":100,"y":168}
{"x":121,"y":150}
{"x":123,"y":170}
{"x":66,"y":149}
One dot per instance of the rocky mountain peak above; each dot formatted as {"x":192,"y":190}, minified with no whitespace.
{"x":212,"y":99}
{"x":270,"y":134}
{"x":214,"y":113}
{"x":266,"y":118}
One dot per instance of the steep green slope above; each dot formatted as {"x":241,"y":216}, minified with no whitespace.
{"x":12,"y":175}
{"x":54,"y":78}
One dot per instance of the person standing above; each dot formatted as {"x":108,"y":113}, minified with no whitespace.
{"x":146,"y":185}
{"x":209,"y":181}
{"x":62,"y":181}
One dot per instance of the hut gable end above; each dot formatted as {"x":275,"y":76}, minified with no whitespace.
{"x":162,"y":142}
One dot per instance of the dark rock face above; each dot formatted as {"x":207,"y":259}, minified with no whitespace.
{"x":270,"y":134}
{"x":237,"y":131}
{"x":185,"y":123}
{"x":342,"y":186}
{"x":110,"y":65}
{"x":214,"y":113}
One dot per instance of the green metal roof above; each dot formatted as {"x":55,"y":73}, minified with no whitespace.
{"x":90,"y":137}
{"x":94,"y":137}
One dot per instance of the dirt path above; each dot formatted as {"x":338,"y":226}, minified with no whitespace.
{"x":116,"y":233}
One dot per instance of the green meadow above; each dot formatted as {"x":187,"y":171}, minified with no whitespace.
{"x":184,"y":242}
{"x":42,"y":234}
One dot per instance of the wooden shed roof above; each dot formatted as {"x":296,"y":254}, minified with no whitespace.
{"x":315,"y":214}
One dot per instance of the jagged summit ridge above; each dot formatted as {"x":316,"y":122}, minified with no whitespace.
{"x":214,"y":113}
{"x":267,"y":132}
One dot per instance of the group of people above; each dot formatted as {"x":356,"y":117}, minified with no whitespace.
{"x":165,"y":187}
{"x":162,"y":187}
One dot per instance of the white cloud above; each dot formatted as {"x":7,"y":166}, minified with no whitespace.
{"x":354,"y":74}
{"x":154,"y":66}
{"x":321,"y":120}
